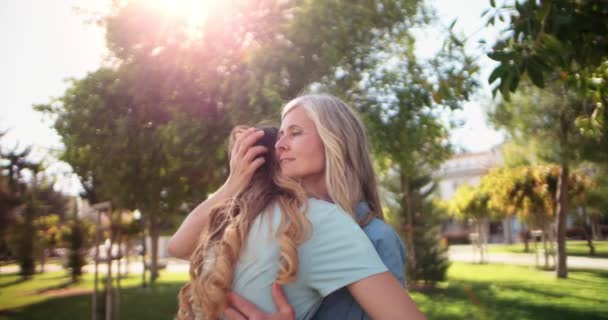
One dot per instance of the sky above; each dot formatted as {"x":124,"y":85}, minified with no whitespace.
{"x":45,"y":43}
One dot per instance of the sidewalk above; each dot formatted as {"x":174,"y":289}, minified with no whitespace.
{"x":459,"y":253}
{"x":135,"y":267}
{"x":464,"y":253}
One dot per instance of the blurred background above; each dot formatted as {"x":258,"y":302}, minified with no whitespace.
{"x":487,"y":121}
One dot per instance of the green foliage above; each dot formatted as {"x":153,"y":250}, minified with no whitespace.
{"x":48,"y":232}
{"x":22,"y":238}
{"x":470,"y":203}
{"x":556,"y":41}
{"x":78,"y":237}
{"x":534,"y":116}
{"x":530,"y":191}
{"x":431,"y":254}
{"x":150,"y":132}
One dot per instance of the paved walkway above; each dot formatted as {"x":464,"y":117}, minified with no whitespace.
{"x":135,"y":267}
{"x":464,"y":253}
{"x":460,"y":253}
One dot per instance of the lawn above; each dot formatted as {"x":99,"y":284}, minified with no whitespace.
{"x":472,"y":292}
{"x":573,"y":248}
{"x":51,"y":296}
{"x":515,"y":292}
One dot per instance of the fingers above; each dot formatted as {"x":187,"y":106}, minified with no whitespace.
{"x":246,"y":140}
{"x":232,"y":314}
{"x":285,"y":310}
{"x":242,"y":305}
{"x":255,"y":164}
{"x":254,"y":152}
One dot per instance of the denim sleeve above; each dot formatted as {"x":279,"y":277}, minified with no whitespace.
{"x":389,"y":246}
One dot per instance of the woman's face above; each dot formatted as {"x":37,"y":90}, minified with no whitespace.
{"x":300,"y":150}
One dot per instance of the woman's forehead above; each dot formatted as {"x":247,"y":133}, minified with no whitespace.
{"x":296,"y":117}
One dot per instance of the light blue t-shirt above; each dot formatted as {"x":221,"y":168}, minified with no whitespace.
{"x":337,"y":254}
{"x":388,"y":244}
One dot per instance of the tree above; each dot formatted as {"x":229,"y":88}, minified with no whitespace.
{"x":22,"y":238}
{"x":176,"y":91}
{"x":77,"y":236}
{"x":555,"y":40}
{"x":400,"y":99}
{"x":432,"y":262}
{"x":534,"y":116}
{"x":565,"y":42}
{"x":530,"y":192}
{"x":472,"y":203}
{"x":48,"y":235}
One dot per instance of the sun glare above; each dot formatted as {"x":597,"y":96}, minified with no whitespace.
{"x":193,"y":12}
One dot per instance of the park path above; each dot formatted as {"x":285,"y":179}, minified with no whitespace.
{"x":464,"y":253}
{"x":458,"y":253}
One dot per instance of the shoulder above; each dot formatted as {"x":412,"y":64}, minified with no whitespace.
{"x":331,"y":224}
{"x":320,"y":212}
{"x":379,"y":230}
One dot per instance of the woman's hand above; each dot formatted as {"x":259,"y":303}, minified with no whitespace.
{"x":245,"y":159}
{"x":241,"y":309}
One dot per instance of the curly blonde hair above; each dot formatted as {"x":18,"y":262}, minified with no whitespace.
{"x":213,"y":262}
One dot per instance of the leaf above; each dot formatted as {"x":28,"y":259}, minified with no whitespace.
{"x":456,"y":41}
{"x":544,"y":10}
{"x":536,"y":74}
{"x":453,"y":24}
{"x":496,"y":73}
{"x":500,"y":55}
{"x":493,"y":3}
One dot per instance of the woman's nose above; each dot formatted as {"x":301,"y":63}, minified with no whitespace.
{"x":280,"y":144}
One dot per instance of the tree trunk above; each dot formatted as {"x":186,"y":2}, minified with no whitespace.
{"x":42,"y":260}
{"x":108,"y":314}
{"x":144,"y":253}
{"x":594,"y":228}
{"x":480,"y":233}
{"x":587,"y":231}
{"x":406,"y":206}
{"x":561,"y":212}
{"x":96,"y":273}
{"x":117,"y":289}
{"x":508,"y":230}
{"x":154,"y":235}
{"x":545,"y":250}
{"x":525,"y":234}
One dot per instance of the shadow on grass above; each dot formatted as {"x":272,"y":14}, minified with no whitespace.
{"x":466,"y":300}
{"x":14,"y":282}
{"x":59,"y":286}
{"x":156,"y":302}
{"x":460,"y":299}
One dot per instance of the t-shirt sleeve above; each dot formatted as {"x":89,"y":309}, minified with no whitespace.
{"x":338,"y":252}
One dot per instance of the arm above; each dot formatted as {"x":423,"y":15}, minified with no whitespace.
{"x":383,"y":297}
{"x":183,"y":242}
{"x":244,"y":160}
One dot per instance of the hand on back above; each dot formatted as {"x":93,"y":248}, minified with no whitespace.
{"x":241,"y":309}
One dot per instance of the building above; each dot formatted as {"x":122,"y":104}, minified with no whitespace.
{"x":468,"y":168}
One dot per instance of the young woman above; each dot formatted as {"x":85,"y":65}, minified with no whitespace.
{"x":323,"y":146}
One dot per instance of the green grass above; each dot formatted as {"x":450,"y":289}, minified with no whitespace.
{"x":473,"y":292}
{"x":573,"y":248}
{"x":514,"y":292}
{"x":52,"y":296}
